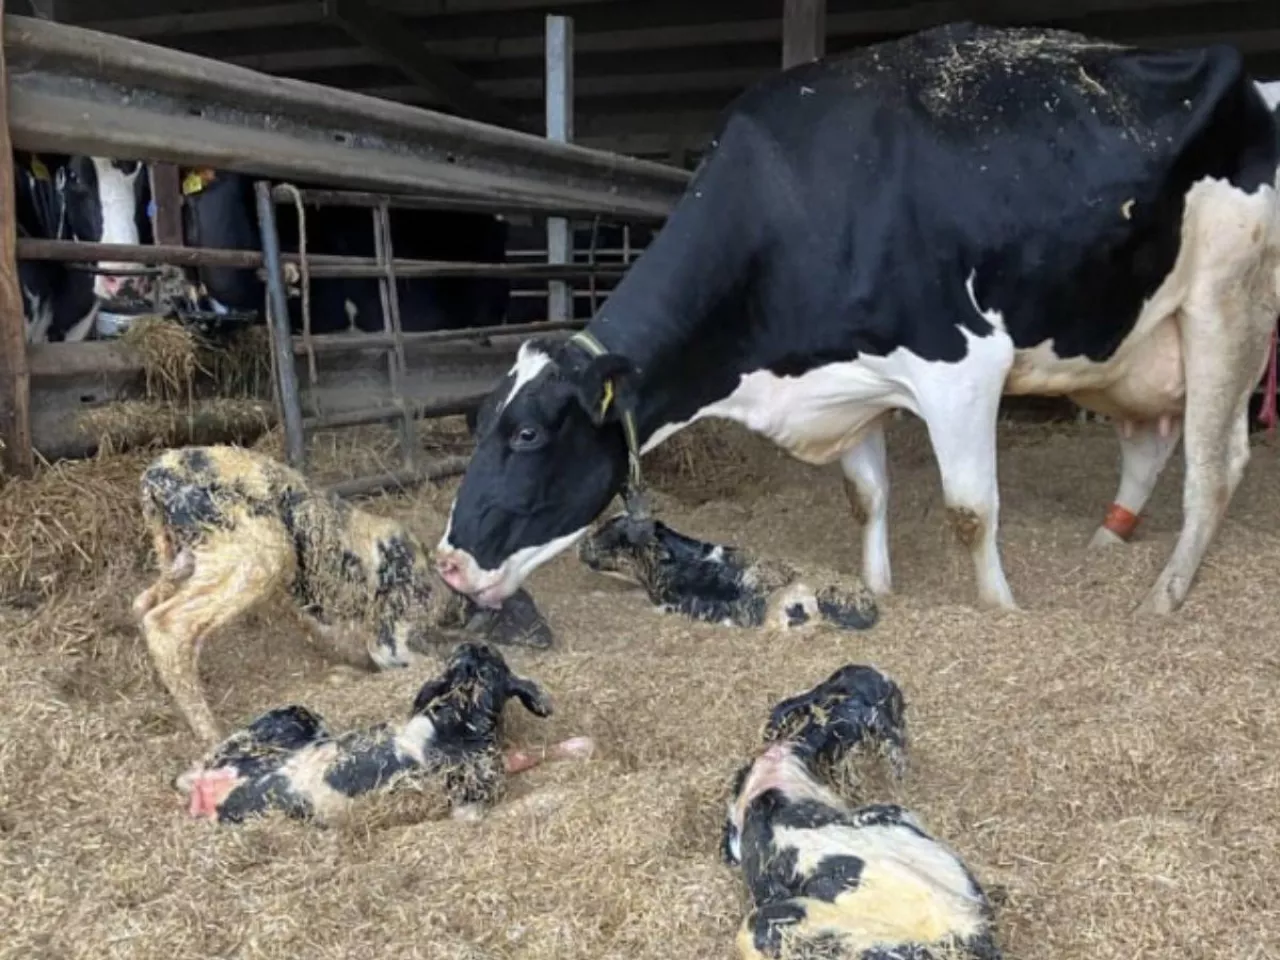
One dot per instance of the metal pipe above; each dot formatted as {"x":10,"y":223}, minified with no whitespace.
{"x":322,"y":265}
{"x":163,"y":105}
{"x":282,"y":340}
{"x":401,"y":479}
{"x":345,"y":342}
{"x":363,"y":198}
{"x":370,"y":415}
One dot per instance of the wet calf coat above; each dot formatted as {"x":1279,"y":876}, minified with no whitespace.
{"x":832,"y":881}
{"x":717,"y":583}
{"x":288,"y":760}
{"x":232,"y":528}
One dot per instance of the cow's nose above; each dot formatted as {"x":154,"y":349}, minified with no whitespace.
{"x":451,"y":570}
{"x":111,"y":284}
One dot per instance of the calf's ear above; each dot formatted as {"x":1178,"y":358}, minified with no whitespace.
{"x":534,"y":698}
{"x":604,"y":385}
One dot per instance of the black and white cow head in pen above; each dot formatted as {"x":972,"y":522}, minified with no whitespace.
{"x":924,"y":224}
{"x":107,"y":201}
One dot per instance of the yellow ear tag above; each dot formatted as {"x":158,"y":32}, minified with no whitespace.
{"x":195,"y":181}
{"x":608,"y":397}
{"x":38,"y":169}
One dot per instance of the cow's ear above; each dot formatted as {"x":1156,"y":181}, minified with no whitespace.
{"x":604,"y":386}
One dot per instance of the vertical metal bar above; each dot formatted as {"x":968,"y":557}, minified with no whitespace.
{"x":282,"y":340}
{"x":804,"y":31}
{"x":390,"y":298}
{"x":15,"y":376}
{"x":559,"y":103}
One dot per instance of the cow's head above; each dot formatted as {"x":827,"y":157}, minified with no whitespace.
{"x":106,"y":202}
{"x":550,"y":455}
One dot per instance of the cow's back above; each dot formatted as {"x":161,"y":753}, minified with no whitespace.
{"x":1046,"y":169}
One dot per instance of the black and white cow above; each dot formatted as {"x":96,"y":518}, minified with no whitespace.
{"x":219,"y":211}
{"x":924,"y":224}
{"x":90,"y":199}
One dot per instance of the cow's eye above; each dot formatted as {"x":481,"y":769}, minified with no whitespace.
{"x":526,"y":438}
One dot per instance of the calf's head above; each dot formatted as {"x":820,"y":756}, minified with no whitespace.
{"x":550,"y":454}
{"x":465,"y":703}
{"x":855,"y":705}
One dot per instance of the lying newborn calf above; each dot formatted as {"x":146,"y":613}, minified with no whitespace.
{"x":287,"y":759}
{"x":827,"y":880}
{"x":856,"y":706}
{"x":716,"y":583}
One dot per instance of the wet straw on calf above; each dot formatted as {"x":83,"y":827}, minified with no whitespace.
{"x":232,"y":527}
{"x":716,"y":583}
{"x":288,"y":760}
{"x":830,"y":880}
{"x":857,"y":708}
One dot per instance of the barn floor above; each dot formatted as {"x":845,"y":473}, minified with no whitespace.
{"x":1116,"y":778}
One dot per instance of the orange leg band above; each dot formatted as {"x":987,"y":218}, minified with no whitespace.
{"x":1120,"y":521}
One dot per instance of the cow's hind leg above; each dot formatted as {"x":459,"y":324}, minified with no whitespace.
{"x":227,"y":579}
{"x":1226,"y":325}
{"x":960,"y":404}
{"x":1144,"y":453}
{"x":866,"y":483}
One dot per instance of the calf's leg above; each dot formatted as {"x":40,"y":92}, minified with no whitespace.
{"x":866,"y":485}
{"x":228,"y":578}
{"x":1226,"y":324}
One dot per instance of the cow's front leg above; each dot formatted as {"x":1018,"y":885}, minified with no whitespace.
{"x":1144,"y":452}
{"x":866,"y":484}
{"x":960,"y":404}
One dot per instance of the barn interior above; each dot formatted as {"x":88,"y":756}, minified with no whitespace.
{"x":1109,"y":780}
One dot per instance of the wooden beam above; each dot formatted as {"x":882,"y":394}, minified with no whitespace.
{"x":804,"y":31}
{"x":393,"y":39}
{"x":217,"y":20}
{"x":166,"y":194}
{"x":559,"y":122}
{"x":15,"y":378}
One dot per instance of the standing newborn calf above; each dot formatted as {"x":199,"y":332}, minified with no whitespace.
{"x":232,"y":527}
{"x":288,"y":760}
{"x":716,"y":583}
{"x":827,"y":880}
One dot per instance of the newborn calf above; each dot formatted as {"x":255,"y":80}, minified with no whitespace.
{"x":232,"y":527}
{"x":288,"y":760}
{"x":716,"y":583}
{"x":827,"y":880}
{"x":855,"y":706}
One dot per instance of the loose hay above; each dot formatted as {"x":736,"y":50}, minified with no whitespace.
{"x":1116,"y":778}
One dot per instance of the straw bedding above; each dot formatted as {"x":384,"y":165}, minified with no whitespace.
{"x":1113,"y":780}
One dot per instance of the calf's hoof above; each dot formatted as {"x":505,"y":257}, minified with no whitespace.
{"x":848,"y":609}
{"x":517,"y":623}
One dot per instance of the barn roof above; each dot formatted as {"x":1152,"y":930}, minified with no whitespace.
{"x":650,"y":75}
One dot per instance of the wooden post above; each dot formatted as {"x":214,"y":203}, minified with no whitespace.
{"x":166,"y":194}
{"x":15,"y":377}
{"x":559,"y":98}
{"x":804,"y":31}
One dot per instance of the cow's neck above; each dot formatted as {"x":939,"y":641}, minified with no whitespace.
{"x":681,"y":313}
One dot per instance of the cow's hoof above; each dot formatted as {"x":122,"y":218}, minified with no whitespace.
{"x":1104,"y":538}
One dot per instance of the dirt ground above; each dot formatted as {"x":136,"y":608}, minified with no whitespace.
{"x":1115,"y":778}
